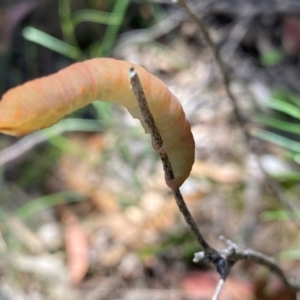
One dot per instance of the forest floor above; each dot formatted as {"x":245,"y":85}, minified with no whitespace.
{"x":86,"y":214}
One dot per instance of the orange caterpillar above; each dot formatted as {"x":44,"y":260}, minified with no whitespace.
{"x":43,"y":102}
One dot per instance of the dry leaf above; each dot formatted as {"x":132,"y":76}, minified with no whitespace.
{"x":76,"y":246}
{"x":219,"y":173}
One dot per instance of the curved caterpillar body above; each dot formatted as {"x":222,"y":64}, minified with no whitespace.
{"x":43,"y":102}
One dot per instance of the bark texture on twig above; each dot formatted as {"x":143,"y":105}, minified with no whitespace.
{"x":210,"y":254}
{"x":233,"y":253}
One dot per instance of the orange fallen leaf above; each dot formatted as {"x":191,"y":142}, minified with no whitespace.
{"x":76,"y":246}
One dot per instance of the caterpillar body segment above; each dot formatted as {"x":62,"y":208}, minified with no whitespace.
{"x":42,"y":102}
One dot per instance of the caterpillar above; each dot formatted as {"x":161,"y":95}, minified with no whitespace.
{"x":42,"y":102}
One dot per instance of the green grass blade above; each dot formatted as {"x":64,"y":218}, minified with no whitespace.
{"x":271,"y":57}
{"x":294,"y":98}
{"x":291,"y":176}
{"x":104,"y":47}
{"x":277,"y":215}
{"x":66,"y":22}
{"x":48,"y":201}
{"x":157,"y":12}
{"x":28,"y":142}
{"x":73,"y":124}
{"x":277,"y":139}
{"x":286,"y":95}
{"x":104,"y":112}
{"x":284,"y":107}
{"x":278,"y":124}
{"x":290,"y":255}
{"x":43,"y":39}
{"x":94,"y":16}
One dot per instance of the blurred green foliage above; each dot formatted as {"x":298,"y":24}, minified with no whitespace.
{"x":70,"y":20}
{"x":41,"y":38}
{"x":110,"y":21}
{"x":277,"y":215}
{"x":34,"y":206}
{"x":282,"y":128}
{"x":285,"y":122}
{"x":183,"y":241}
{"x":272,"y":57}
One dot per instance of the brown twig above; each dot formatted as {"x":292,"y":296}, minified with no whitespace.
{"x":233,"y":253}
{"x":210,"y":254}
{"x":220,"y":63}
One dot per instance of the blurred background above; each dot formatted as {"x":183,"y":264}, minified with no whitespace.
{"x":84,"y":209}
